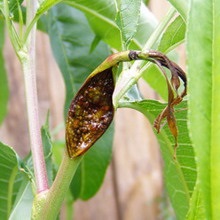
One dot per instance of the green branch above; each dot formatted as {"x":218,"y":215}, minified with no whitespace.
{"x":50,"y":205}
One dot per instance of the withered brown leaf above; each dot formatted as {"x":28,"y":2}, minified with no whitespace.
{"x":173,"y":97}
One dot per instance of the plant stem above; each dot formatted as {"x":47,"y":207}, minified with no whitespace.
{"x":34,"y":126}
{"x":15,"y":41}
{"x":28,"y":63}
{"x":69,"y":212}
{"x":59,"y":188}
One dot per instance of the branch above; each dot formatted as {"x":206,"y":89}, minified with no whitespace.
{"x":28,"y":63}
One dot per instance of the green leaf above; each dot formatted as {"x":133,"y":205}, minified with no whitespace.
{"x":127,"y":18}
{"x":173,"y":36}
{"x":94,"y":43}
{"x":45,"y":6}
{"x":57,"y":149}
{"x":204,"y":88}
{"x":9,"y":167}
{"x":156,"y":80}
{"x":181,"y":6}
{"x":4,"y":90}
{"x":90,"y":174}
{"x":24,"y":200}
{"x":196,"y":211}
{"x":71,"y":39}
{"x":13,"y":4}
{"x":101,"y":16}
{"x":180,"y":174}
{"x":132,"y":95}
{"x":47,"y":145}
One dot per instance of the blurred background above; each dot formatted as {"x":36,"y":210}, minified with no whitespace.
{"x":133,"y":187}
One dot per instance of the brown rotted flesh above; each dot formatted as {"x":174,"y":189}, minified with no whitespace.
{"x":90,"y":113}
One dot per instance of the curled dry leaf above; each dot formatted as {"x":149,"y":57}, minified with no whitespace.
{"x":90,"y":113}
{"x":173,"y":97}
